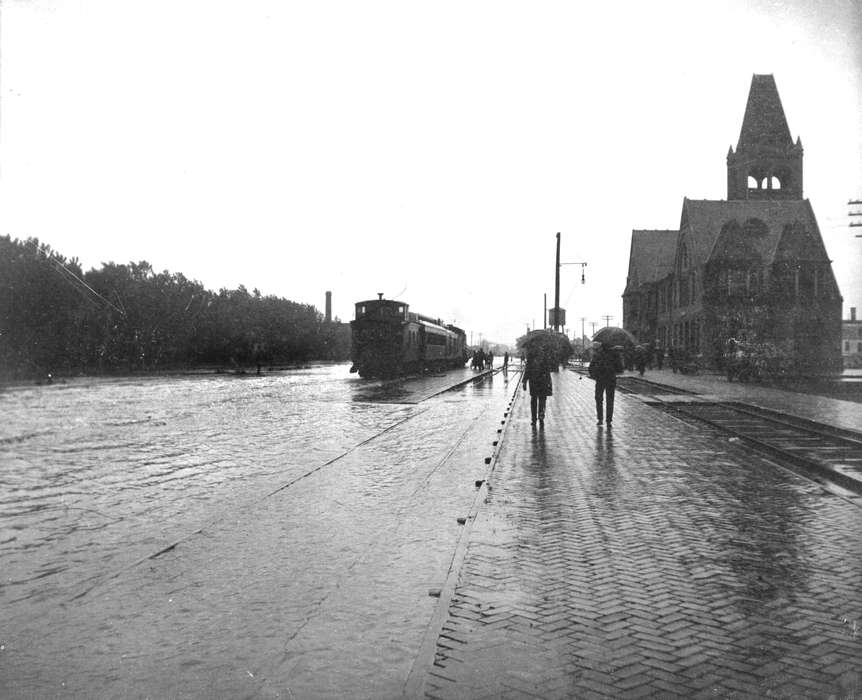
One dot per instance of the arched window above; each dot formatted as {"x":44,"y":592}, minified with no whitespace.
{"x":774,"y":183}
{"x":782,"y":179}
{"x":753,"y":184}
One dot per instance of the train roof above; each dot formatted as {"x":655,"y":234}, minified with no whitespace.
{"x":416,"y":317}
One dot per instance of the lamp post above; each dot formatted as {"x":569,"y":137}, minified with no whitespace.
{"x":559,"y":314}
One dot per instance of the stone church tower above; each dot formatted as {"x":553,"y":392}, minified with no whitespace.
{"x":766,"y":164}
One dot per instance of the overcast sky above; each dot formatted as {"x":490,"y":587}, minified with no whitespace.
{"x":430,"y":151}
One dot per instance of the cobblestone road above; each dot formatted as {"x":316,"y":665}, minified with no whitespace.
{"x":654,"y":561}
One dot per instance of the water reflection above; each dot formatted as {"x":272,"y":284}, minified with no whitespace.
{"x":108,"y":469}
{"x":605,"y":477}
{"x":411,"y":389}
{"x":537,"y":447}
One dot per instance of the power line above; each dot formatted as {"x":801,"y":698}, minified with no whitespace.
{"x":61,"y":266}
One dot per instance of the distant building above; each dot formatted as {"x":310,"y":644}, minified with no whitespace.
{"x":752,"y":267}
{"x":851,"y":336}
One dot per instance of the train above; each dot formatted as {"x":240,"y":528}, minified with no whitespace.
{"x":389,"y":340}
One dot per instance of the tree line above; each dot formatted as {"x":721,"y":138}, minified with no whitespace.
{"x":56,"y":318}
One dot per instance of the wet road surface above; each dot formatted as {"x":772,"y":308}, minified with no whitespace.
{"x":312,"y":516}
{"x":654,"y":561}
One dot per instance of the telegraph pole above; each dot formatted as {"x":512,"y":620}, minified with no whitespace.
{"x":557,"y":287}
{"x":853,"y":224}
{"x":560,"y":314}
{"x":594,"y":324}
{"x":607,"y":320}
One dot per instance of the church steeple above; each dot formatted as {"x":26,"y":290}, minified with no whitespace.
{"x":766,"y":164}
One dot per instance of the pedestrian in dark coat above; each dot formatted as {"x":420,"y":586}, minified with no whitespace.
{"x":480,"y":359}
{"x":538,"y":376}
{"x":640,"y":359}
{"x":604,"y":368}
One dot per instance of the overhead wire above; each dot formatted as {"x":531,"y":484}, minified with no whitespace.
{"x":60,"y":267}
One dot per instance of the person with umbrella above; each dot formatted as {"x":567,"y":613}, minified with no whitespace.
{"x":604,"y":368}
{"x":538,"y":376}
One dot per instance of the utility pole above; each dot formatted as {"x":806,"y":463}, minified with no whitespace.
{"x":545,"y":313}
{"x":557,"y":287}
{"x":560,"y":314}
{"x":594,"y":324}
{"x":853,"y":224}
{"x":607,"y":320}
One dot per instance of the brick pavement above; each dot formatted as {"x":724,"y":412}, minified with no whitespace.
{"x":654,"y":561}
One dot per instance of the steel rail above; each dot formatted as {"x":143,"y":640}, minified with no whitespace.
{"x":763,"y":445}
{"x":796,"y":433}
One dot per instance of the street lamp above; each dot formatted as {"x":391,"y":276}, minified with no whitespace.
{"x":558,"y":313}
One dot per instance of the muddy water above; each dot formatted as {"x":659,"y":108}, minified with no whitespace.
{"x":304,"y":516}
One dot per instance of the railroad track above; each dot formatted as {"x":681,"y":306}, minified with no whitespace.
{"x":824,"y":453}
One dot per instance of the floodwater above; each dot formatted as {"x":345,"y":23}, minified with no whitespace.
{"x":228,"y":536}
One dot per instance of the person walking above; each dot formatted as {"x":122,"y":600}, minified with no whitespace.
{"x":604,"y":368}
{"x":537,"y":375}
{"x":640,"y":359}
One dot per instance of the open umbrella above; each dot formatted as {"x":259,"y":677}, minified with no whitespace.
{"x":613,"y":335}
{"x":553,"y":347}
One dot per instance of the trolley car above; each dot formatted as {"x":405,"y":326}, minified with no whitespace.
{"x":388,"y":340}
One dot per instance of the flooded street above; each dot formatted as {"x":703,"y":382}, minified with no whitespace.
{"x":231,"y":536}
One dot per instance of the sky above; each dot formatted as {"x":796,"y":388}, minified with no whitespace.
{"x":430,"y":151}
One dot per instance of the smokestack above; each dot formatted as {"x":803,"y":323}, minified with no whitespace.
{"x":852,"y":313}
{"x":328,"y":316}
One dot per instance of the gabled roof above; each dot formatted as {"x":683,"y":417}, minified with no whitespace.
{"x":651,"y":257}
{"x":764,"y":123}
{"x":703,"y":219}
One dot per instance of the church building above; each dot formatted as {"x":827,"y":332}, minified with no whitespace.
{"x":752,"y":267}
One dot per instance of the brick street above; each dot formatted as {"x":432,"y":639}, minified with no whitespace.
{"x":656,"y":560}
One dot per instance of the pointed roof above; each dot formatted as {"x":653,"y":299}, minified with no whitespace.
{"x":651,"y":256}
{"x":764,"y":123}
{"x":703,"y":219}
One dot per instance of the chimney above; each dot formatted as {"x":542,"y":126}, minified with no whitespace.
{"x":328,"y":316}
{"x":852,"y":313}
